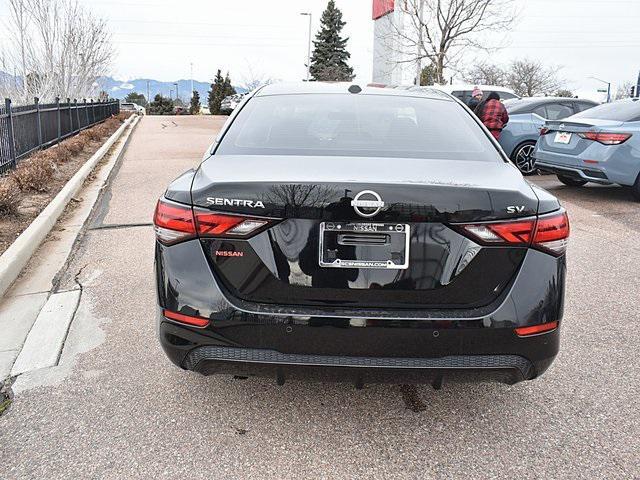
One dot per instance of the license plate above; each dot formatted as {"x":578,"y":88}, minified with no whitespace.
{"x":364,"y":245}
{"x":563,"y":137}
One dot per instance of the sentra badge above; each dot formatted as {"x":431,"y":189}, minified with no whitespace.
{"x":234,"y":202}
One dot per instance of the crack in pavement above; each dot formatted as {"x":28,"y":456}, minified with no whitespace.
{"x":116,"y":226}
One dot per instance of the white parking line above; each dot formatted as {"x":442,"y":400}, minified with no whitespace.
{"x":45,"y":340}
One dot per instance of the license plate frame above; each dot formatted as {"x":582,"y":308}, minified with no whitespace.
{"x":366,"y":250}
{"x":563,"y":138}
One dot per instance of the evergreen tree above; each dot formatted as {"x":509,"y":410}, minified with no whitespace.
{"x":194,"y":107}
{"x":330,"y":56}
{"x":428,"y":75}
{"x":216,"y":94}
{"x":160,"y":106}
{"x":563,"y":92}
{"x":228,"y":88}
{"x":137,"y":98}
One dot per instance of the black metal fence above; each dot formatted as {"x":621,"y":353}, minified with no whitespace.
{"x":27,"y":128}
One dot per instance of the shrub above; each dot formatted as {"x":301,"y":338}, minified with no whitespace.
{"x":122,"y":116}
{"x":34,"y":174}
{"x":59,"y":154}
{"x":75,"y":145}
{"x":9,"y":195}
{"x":92,"y":134}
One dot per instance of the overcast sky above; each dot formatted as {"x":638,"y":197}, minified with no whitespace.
{"x":160,"y":38}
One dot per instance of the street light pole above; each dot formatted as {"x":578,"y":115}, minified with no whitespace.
{"x":177,"y":97}
{"x":191,"y":79}
{"x":308,"y":14}
{"x":608,"y":84}
{"x":419,"y":62}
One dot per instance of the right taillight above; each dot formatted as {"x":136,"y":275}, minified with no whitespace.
{"x":549,"y":233}
{"x":174,"y":222}
{"x":552,"y":233}
{"x":606,"y":138}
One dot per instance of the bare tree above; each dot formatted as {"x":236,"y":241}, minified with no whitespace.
{"x":483,"y":73}
{"x":623,"y":90}
{"x":437,"y":32}
{"x":59,"y":47}
{"x":529,"y":78}
{"x":254,"y":78}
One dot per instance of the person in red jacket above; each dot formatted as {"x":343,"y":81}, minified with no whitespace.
{"x":493,"y":114}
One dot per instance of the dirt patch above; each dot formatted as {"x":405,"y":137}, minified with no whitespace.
{"x":6,"y":396}
{"x":65,"y":160}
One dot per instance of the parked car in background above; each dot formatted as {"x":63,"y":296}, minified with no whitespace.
{"x":133,"y":107}
{"x":600,"y":145}
{"x":463,"y":92}
{"x":230,"y":103}
{"x":526,"y":117}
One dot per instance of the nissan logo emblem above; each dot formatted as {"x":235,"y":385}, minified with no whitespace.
{"x":367,"y":203}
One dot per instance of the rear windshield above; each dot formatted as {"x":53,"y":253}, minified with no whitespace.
{"x":625,"y":111}
{"x":356,"y":125}
{"x":517,"y":105}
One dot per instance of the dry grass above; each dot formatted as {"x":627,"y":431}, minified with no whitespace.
{"x":35,"y":173}
{"x":9,"y":195}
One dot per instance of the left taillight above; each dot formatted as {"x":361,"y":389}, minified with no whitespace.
{"x":549,"y":233}
{"x":210,"y":224}
{"x":174,"y":222}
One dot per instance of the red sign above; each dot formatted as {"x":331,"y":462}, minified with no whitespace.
{"x":382,"y":7}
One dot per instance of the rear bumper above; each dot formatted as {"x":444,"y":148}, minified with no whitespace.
{"x":358,"y":345}
{"x":459,"y":355}
{"x":359,"y":370}
{"x":590,"y":175}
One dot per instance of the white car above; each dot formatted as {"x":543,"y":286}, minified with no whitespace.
{"x":133,"y":107}
{"x":463,"y":92}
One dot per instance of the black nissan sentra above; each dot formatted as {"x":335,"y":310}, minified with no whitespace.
{"x":359,"y":234}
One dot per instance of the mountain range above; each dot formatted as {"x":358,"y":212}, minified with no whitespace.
{"x":119,"y":89}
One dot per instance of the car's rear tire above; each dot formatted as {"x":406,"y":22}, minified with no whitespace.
{"x":572,"y":182}
{"x":522,"y":156}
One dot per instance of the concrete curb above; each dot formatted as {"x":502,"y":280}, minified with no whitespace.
{"x":16,"y":257}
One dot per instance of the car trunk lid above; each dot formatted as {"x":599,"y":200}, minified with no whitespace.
{"x":324,"y":188}
{"x":404,"y":253}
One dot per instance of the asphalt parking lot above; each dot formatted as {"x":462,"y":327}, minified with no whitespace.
{"x":117,"y":408}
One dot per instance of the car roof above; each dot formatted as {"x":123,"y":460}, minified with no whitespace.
{"x":542,"y":100}
{"x":460,"y":86}
{"x":524,"y":105}
{"x":298,"y":88}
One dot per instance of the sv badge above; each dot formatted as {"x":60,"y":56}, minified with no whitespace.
{"x":515,"y":209}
